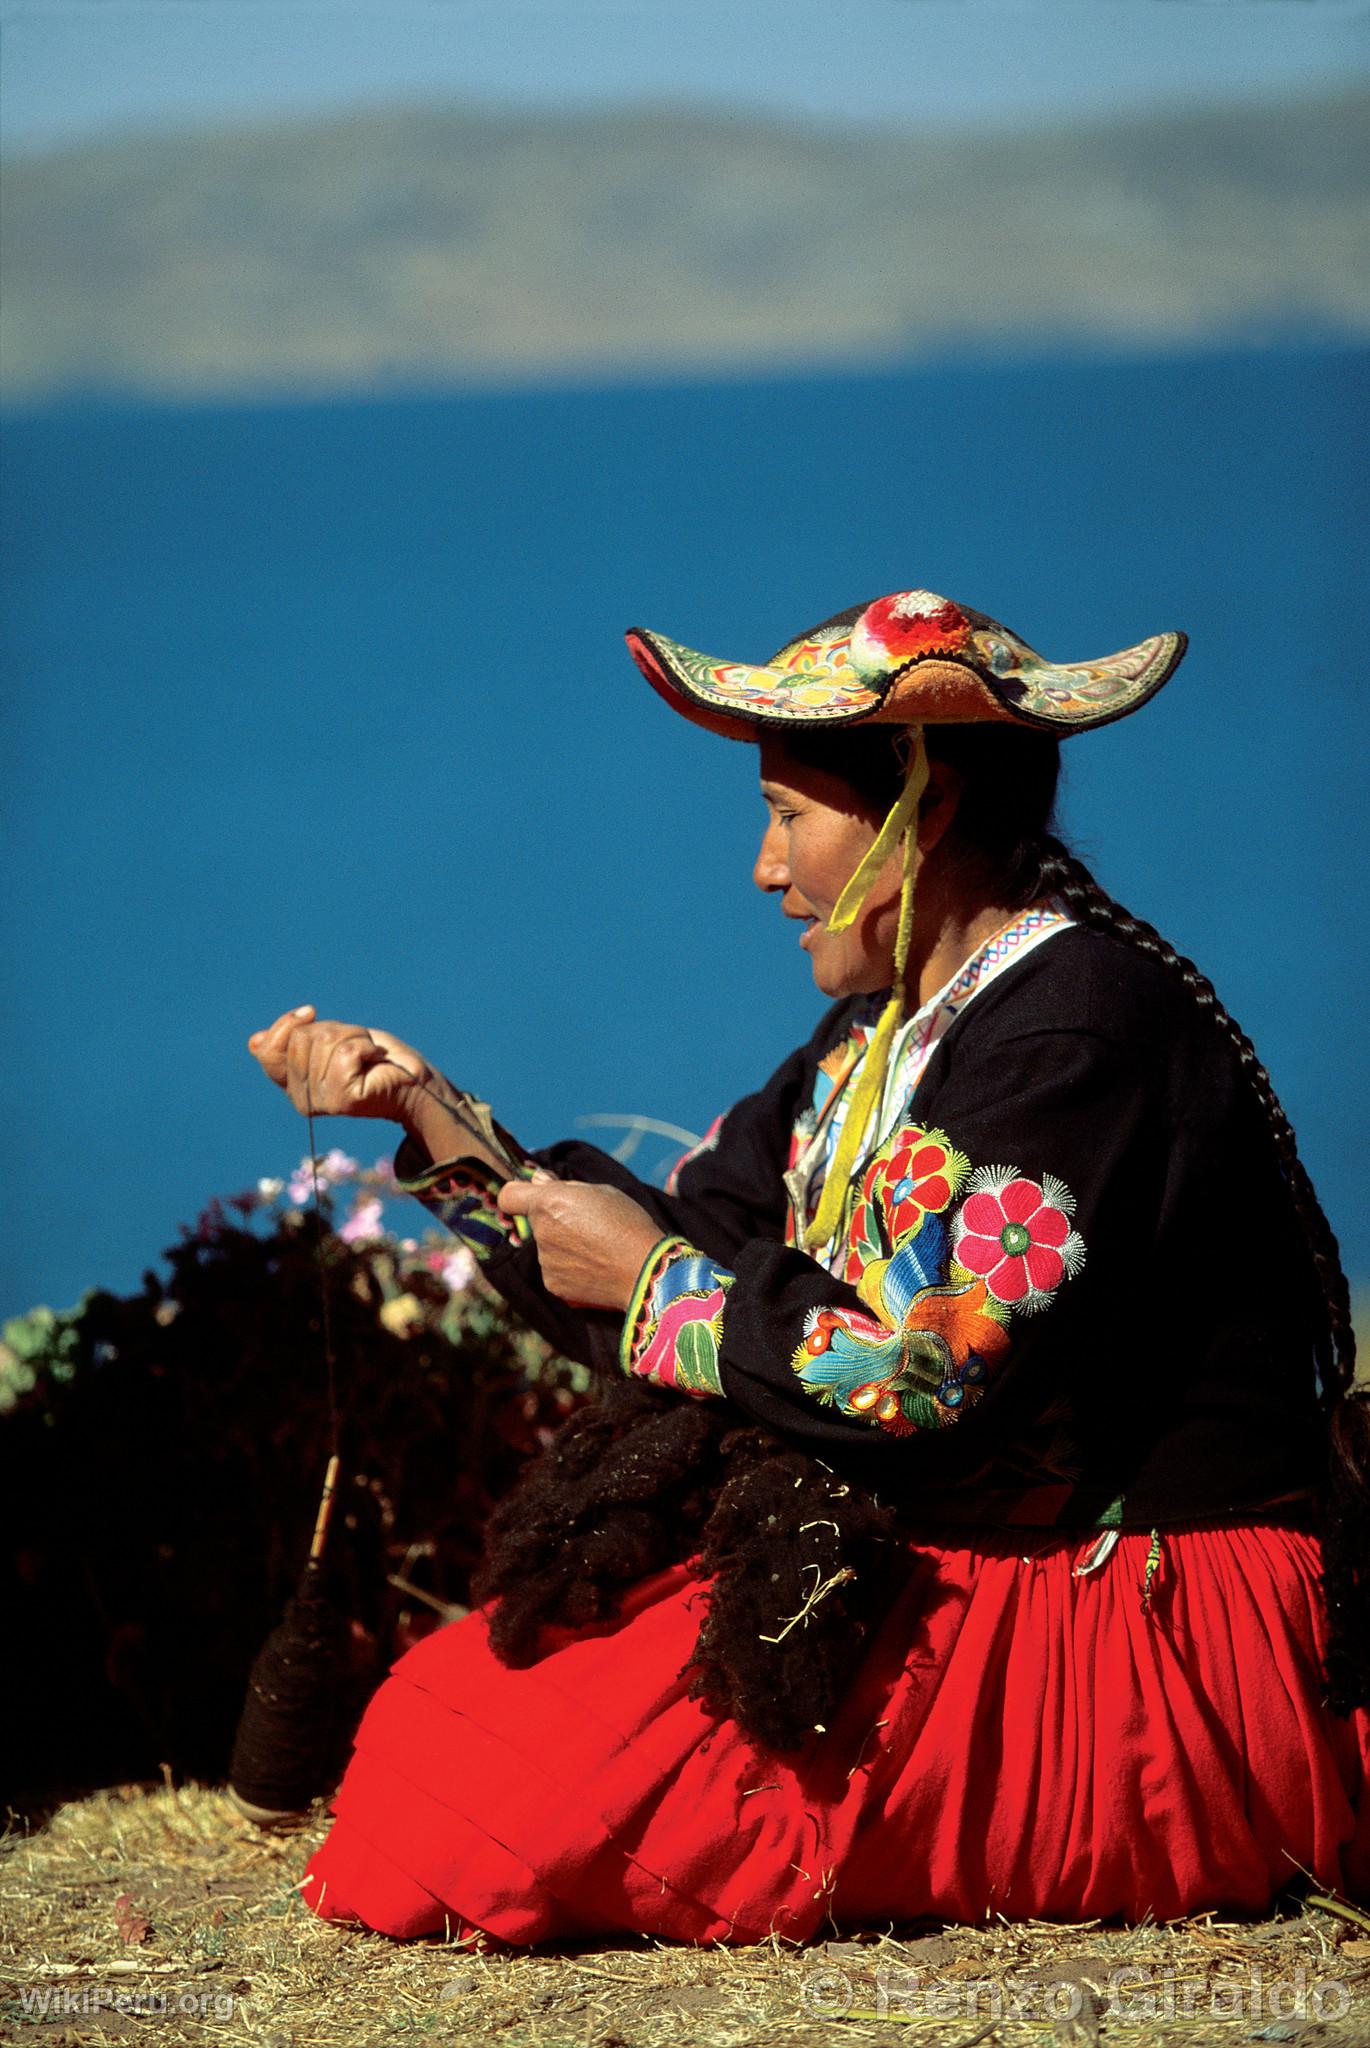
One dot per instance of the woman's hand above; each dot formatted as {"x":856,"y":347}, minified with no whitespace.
{"x":342,"y":1069}
{"x":332,"y":1069}
{"x":592,"y":1241}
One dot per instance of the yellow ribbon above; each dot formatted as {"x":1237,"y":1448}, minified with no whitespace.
{"x":900,"y":818}
{"x":902,"y":821}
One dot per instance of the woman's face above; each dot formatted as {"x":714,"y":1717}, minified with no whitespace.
{"x":817,"y":832}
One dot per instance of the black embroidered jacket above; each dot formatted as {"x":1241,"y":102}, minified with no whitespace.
{"x":1068,"y":1288}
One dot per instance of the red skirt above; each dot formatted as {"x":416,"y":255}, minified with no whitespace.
{"x":1021,"y":1740}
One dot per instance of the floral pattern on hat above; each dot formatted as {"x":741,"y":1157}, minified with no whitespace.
{"x":1077,"y":692}
{"x":813,"y":679}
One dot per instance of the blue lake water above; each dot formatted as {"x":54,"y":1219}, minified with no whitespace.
{"x":329,"y":701}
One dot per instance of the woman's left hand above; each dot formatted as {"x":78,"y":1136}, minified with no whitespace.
{"x":592,"y":1241}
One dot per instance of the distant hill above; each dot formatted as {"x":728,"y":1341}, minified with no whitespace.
{"x":441,"y":244}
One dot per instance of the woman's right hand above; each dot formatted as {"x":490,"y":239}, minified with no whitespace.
{"x":330,"y":1069}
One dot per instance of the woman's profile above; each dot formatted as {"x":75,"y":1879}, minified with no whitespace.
{"x":973,"y":1515}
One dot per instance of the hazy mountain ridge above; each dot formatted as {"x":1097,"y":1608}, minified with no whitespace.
{"x":451,"y":244}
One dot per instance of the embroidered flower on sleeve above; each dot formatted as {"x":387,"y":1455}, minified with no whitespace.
{"x":917,"y":1177}
{"x":1016,"y":1234}
{"x":939,"y":1292}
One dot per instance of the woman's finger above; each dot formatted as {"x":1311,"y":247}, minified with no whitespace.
{"x":349,"y":1068}
{"x":338,"y":1072}
{"x":592,"y":1241}
{"x":283,"y":1025}
{"x":405,"y":1057}
{"x":269,"y":1046}
{"x":317,"y":1083}
{"x":342,"y":1061}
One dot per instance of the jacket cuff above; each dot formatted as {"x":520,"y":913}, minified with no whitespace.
{"x":461,"y":1194}
{"x":674,"y":1324}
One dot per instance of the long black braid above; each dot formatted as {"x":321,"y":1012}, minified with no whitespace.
{"x":1004,"y":824}
{"x":1345,"y":1495}
{"x":642,"y":1479}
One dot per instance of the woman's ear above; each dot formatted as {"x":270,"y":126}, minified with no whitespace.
{"x":938,"y":805}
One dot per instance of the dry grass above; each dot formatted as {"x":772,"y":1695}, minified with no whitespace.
{"x":227,"y":1931}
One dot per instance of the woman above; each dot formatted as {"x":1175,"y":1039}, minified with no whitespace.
{"x":977,"y":1437}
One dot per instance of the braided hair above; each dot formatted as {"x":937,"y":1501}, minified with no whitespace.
{"x":640,"y":1480}
{"x":1345,"y":1494}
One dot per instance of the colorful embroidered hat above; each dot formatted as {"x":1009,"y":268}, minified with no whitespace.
{"x":912,"y":658}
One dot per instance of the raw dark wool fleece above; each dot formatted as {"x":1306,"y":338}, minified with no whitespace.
{"x":640,"y":1480}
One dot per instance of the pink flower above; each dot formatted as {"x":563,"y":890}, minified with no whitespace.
{"x":332,"y":1167}
{"x":364,"y":1225}
{"x":458,"y":1270}
{"x":1018,"y":1241}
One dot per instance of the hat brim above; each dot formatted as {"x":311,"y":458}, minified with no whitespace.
{"x":994,"y":677}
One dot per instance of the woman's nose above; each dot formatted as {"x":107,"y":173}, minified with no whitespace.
{"x":772,"y":870}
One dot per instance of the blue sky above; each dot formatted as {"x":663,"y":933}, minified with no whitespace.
{"x":74,"y":67}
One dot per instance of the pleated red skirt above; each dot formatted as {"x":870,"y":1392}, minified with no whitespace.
{"x":1024,"y":1740}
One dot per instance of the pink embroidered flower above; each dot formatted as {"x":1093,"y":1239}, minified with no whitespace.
{"x":1016,"y":1235}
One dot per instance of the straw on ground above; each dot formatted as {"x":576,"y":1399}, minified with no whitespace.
{"x":166,"y":1894}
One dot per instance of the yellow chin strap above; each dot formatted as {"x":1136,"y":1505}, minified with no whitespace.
{"x":901,"y":823}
